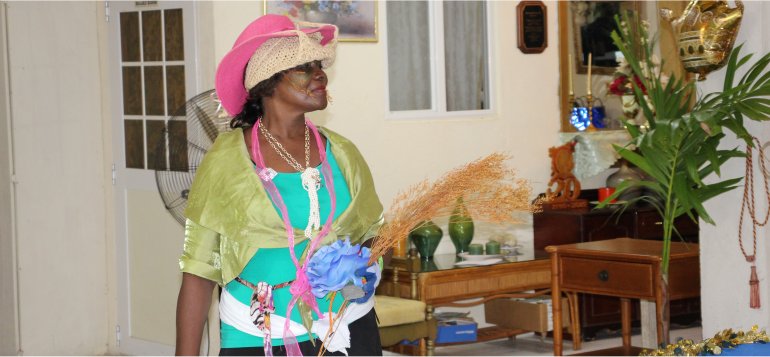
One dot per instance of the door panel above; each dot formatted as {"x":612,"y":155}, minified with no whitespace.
{"x":152,"y":58}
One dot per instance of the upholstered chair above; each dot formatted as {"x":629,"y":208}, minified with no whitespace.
{"x":405,"y":319}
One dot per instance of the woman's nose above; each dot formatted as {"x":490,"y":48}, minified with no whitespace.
{"x":319,"y":74}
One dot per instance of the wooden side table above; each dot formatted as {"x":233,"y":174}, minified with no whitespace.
{"x":440,"y":283}
{"x":625,"y":268}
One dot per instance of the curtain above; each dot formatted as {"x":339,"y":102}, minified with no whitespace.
{"x":465,"y":53}
{"x":409,"y":68}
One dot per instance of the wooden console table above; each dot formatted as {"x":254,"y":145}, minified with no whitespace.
{"x":558,"y":227}
{"x":625,"y":268}
{"x":439,"y":282}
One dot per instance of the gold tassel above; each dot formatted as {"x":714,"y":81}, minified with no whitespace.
{"x":754,"y":284}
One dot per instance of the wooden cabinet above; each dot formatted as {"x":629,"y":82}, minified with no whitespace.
{"x":587,"y":225}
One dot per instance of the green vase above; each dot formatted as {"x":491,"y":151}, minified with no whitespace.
{"x":460,"y":227}
{"x":428,"y":265}
{"x":426,"y":237}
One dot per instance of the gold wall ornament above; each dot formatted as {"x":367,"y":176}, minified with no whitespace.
{"x":706,"y":32}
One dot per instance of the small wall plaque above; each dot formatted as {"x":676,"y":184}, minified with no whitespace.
{"x":532,"y":26}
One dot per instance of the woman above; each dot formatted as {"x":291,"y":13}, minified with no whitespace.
{"x":270,"y":193}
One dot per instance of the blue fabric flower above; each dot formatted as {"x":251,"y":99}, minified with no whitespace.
{"x":335,"y":265}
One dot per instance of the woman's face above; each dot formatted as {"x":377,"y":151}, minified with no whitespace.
{"x":304,"y":86}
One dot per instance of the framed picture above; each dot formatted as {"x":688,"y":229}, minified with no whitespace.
{"x":531,"y":17}
{"x":357,"y":20}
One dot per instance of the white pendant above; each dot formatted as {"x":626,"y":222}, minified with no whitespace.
{"x":311,"y":178}
{"x":311,"y":181}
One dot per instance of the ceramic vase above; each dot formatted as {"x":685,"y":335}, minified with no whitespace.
{"x":630,"y":107}
{"x":625,"y":173}
{"x":426,"y":237}
{"x":428,"y":265}
{"x":460,"y":227}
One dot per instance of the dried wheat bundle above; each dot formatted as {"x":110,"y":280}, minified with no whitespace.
{"x":491,"y":192}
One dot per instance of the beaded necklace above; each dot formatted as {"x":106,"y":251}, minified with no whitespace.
{"x":311,"y":178}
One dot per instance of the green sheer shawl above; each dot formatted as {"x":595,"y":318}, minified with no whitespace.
{"x":230,"y":215}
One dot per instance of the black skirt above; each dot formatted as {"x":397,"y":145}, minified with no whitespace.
{"x":364,"y":341}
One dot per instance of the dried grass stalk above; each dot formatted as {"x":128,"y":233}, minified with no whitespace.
{"x":491,"y":192}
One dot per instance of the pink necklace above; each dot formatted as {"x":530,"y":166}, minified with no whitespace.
{"x":300,"y":288}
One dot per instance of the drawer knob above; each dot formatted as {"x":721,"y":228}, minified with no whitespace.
{"x":603,"y":275}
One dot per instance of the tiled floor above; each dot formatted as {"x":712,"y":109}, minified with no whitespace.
{"x":531,"y":345}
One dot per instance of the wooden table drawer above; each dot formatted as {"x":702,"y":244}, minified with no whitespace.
{"x":607,"y":276}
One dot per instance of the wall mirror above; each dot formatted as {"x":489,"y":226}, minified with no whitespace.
{"x":585,"y":26}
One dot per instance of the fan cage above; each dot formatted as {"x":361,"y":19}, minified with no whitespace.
{"x":187,"y":136}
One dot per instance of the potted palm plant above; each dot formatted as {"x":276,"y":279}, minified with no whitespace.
{"x":678,"y":147}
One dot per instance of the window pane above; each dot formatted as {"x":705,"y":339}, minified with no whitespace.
{"x":129,"y":36}
{"x":153,"y":90}
{"x":465,"y":53}
{"x":132,"y":91}
{"x":409,"y":67}
{"x":134,"y":141}
{"x":151,"y":39}
{"x":177,"y":145}
{"x":175,"y":89}
{"x":174,"y":35}
{"x":156,"y":145}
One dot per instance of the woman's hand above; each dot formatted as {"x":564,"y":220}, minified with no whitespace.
{"x":192,"y":309}
{"x":370,"y":280}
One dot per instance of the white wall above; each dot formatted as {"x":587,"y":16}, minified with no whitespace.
{"x":724,"y":270}
{"x":8,"y":304}
{"x":56,"y":107}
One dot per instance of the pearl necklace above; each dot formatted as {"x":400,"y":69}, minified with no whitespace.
{"x":311,"y":177}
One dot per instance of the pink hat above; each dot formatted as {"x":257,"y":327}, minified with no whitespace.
{"x":294,"y":44}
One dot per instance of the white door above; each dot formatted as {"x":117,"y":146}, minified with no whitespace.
{"x":152,"y":68}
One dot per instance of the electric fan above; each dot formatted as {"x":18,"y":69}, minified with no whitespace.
{"x":186,"y":138}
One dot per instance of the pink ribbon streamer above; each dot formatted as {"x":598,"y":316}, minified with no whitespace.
{"x":300,"y":288}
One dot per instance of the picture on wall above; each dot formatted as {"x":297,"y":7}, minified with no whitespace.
{"x":357,"y":20}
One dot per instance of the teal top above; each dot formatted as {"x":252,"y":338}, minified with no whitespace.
{"x":274,"y":265}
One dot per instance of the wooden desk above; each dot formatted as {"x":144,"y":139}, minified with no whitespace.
{"x":440,"y":283}
{"x":625,"y":268}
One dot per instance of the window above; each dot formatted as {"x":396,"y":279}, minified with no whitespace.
{"x":153,"y":74}
{"x":438,"y":57}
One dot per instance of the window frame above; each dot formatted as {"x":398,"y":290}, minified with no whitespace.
{"x":438,"y":70}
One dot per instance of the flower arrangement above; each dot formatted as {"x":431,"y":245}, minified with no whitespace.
{"x":491,"y":193}
{"x":295,"y":8}
{"x":624,"y":79}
